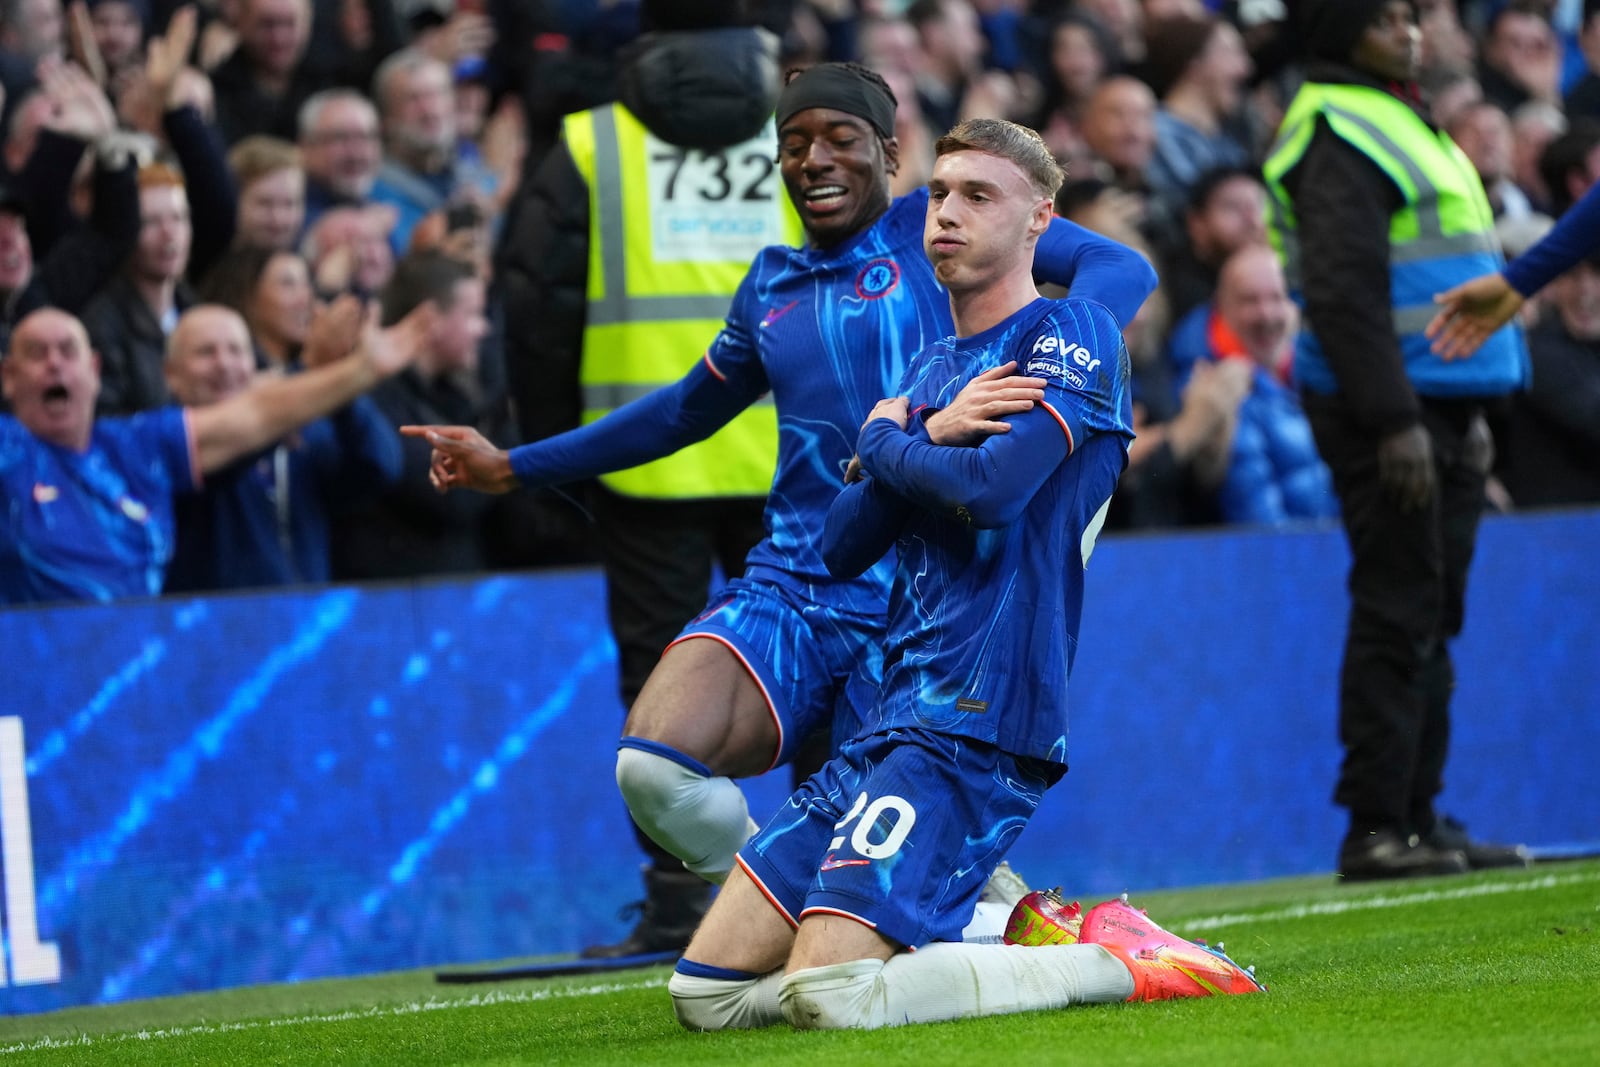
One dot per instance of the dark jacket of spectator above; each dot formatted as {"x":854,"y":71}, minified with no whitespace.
{"x":411,"y":529}
{"x":243,"y":109}
{"x":208,"y":183}
{"x":83,"y":257}
{"x":132,"y":347}
{"x":1552,"y":456}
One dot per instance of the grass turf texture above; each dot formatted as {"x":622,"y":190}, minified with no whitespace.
{"x":1491,"y":968}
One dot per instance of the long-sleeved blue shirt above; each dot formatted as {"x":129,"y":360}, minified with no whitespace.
{"x":1575,"y":236}
{"x":992,"y":540}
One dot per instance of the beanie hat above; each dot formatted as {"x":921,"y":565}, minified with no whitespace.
{"x":1331,"y":29}
{"x":665,"y":15}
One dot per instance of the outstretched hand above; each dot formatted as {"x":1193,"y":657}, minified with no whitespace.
{"x":390,"y":351}
{"x":464,"y":459}
{"x":78,"y":106}
{"x":976,"y":412}
{"x":167,"y":55}
{"x":1470,"y":312}
{"x":336,"y":329}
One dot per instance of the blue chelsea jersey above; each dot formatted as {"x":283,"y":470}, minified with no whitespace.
{"x":983,"y":623}
{"x":829,"y":332}
{"x":96,"y":525}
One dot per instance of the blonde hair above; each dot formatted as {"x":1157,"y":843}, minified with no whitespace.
{"x":1008,"y":140}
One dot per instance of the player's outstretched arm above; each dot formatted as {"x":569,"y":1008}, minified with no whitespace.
{"x":979,"y":410}
{"x":465,"y":459}
{"x":656,"y":425}
{"x":1470,"y":312}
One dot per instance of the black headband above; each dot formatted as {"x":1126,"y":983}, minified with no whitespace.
{"x":841,"y":89}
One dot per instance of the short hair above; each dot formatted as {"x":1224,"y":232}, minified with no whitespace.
{"x":258,"y":155}
{"x":1565,"y":154}
{"x":1010,"y":141}
{"x":232,"y":282}
{"x":423,"y":275}
{"x":401,"y":62}
{"x":311,"y":111}
{"x":1079,"y":193}
{"x":921,"y":12}
{"x":159,"y":175}
{"x":1207,"y":185}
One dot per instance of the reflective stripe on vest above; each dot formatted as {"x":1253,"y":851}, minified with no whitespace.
{"x":671,"y":234}
{"x":1443,"y":235}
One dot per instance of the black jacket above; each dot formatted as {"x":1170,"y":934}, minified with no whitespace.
{"x":132,"y":347}
{"x":410,"y":529}
{"x":1342,"y":203}
{"x":1552,"y":455}
{"x":87,"y":255}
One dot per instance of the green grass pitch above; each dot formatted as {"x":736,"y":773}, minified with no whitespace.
{"x":1497,"y":968}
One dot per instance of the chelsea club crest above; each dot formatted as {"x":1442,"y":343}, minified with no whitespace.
{"x":878,"y":279}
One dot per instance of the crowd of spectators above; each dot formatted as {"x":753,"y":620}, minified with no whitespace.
{"x":273,"y":156}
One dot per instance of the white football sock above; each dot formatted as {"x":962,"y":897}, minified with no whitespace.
{"x":988,"y":925}
{"x":725,"y":1003}
{"x":946,"y":980}
{"x":703,"y":820}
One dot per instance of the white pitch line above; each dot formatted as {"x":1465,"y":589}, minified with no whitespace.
{"x":1393,"y":900}
{"x":523,"y":996}
{"x":520,"y":996}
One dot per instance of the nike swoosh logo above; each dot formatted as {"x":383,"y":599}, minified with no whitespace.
{"x":774,"y":314}
{"x":831,"y":864}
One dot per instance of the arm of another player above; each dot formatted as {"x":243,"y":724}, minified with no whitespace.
{"x":862,"y":525}
{"x":1094,"y":268}
{"x":657,"y":425}
{"x":1470,"y":312}
{"x":989,"y":485}
{"x":866,"y":517}
{"x":1473,"y":310}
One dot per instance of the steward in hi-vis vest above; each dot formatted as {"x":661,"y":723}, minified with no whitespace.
{"x":666,"y":255}
{"x":1375,"y":211}
{"x":1442,"y":236}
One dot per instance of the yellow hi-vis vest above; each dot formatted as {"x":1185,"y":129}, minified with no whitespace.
{"x":672,"y":232}
{"x":1442,"y":235}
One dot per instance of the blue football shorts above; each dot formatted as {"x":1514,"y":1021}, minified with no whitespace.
{"x":900,"y":831}
{"x":816,"y":666}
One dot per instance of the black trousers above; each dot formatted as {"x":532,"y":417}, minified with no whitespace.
{"x":658,"y":557}
{"x":1407,"y":583}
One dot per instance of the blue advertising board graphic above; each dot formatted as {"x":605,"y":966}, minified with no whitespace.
{"x":209,"y":792}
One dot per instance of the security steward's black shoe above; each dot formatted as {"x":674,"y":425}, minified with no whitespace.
{"x":674,"y":904}
{"x":1387,"y":853}
{"x":1449,"y":833}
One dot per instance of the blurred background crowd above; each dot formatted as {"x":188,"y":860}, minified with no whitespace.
{"x":270,"y":155}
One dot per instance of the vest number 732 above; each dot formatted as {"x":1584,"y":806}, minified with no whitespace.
{"x":711,"y":176}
